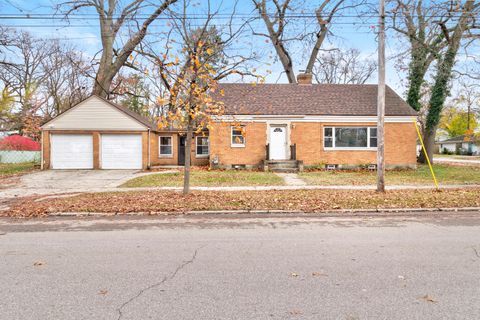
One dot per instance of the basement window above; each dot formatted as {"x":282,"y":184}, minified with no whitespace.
{"x":349,"y":138}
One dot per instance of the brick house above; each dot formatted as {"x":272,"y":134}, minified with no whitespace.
{"x":263,"y":125}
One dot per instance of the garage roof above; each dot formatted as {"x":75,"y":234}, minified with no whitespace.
{"x":97,"y":113}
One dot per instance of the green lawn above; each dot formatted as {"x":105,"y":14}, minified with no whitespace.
{"x":10,"y":169}
{"x":445,"y":175}
{"x":207,"y":179}
{"x":455,"y":156}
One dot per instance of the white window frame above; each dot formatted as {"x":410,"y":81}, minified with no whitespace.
{"x":333,"y":147}
{"x":237,"y":145}
{"x":208,"y":147}
{"x":160,"y":155}
{"x":369,"y":136}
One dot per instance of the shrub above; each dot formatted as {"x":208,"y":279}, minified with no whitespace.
{"x":19,"y":143}
{"x":446,"y":151}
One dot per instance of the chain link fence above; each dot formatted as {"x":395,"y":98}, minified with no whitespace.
{"x":17,"y":149}
{"x":19,"y":156}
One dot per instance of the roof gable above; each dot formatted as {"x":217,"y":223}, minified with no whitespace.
{"x":315,"y":99}
{"x":96,"y":113}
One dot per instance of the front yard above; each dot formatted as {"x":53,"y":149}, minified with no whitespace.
{"x":152,"y":202}
{"x":445,"y":175}
{"x":11,"y":169}
{"x":456,"y":157}
{"x":204,"y":178}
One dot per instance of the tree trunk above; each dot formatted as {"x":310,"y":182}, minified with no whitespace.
{"x":416,"y":78}
{"x":103,"y":83}
{"x":188,"y":147}
{"x":429,"y":142}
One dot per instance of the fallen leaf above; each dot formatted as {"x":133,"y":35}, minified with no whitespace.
{"x":429,"y":298}
{"x":293,"y":274}
{"x":295,"y":312}
{"x":103,"y":292}
{"x":38,"y":263}
{"x":319,"y":274}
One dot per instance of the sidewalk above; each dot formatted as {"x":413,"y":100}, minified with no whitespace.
{"x":456,"y":161}
{"x":14,"y":193}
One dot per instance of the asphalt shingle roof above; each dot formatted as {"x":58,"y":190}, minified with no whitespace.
{"x":315,"y":99}
{"x":459,"y":139}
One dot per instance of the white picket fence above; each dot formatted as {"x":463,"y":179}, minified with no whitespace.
{"x":19,"y":156}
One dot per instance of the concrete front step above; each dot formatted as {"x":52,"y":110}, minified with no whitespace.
{"x":283,"y":165}
{"x":284,"y":170}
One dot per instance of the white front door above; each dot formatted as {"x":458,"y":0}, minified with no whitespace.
{"x":121,"y":151}
{"x":278,"y":143}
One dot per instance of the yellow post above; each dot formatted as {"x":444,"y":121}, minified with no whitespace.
{"x":425,"y":152}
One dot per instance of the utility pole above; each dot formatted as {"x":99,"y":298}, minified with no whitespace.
{"x":381,"y":102}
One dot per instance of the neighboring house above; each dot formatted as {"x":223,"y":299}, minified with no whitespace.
{"x":309,"y":124}
{"x":459,"y":145}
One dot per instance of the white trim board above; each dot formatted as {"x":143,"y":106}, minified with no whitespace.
{"x":327,"y":119}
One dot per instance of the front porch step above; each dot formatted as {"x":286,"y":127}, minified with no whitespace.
{"x":285,"y":170}
{"x":282,"y":165}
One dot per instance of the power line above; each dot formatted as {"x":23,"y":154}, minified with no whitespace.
{"x":80,"y":16}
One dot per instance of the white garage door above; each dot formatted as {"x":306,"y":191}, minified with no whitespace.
{"x":121,"y":151}
{"x":71,"y":151}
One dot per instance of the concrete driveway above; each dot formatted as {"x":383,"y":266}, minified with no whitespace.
{"x":66,"y":181}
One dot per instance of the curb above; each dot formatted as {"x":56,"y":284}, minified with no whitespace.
{"x":325,"y":213}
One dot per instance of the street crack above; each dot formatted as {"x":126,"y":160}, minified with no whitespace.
{"x":157,"y":284}
{"x":476,"y":252}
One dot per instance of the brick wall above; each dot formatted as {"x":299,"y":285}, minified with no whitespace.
{"x":252,"y":154}
{"x":400,"y":145}
{"x":157,"y":160}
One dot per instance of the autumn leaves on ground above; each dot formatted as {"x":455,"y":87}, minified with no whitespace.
{"x":156,"y":202}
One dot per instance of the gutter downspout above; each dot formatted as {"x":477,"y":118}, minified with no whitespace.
{"x":41,"y":152}
{"x":148,"y":152}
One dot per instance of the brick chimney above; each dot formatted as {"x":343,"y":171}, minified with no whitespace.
{"x":304,"y":78}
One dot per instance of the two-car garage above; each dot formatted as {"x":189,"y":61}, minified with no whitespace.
{"x":121,"y":151}
{"x":96,"y":134}
{"x":71,"y":151}
{"x":76,"y":151}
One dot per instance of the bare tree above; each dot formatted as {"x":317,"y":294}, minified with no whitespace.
{"x":112,"y":17}
{"x":421,"y":25}
{"x":275,"y":14}
{"x":7,"y":43}
{"x":190,"y":70}
{"x":40,"y":80}
{"x":343,"y":67}
{"x":466,"y":15}
{"x":23,"y":74}
{"x":65,"y":83}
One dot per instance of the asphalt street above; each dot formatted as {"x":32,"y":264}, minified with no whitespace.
{"x":248,"y":267}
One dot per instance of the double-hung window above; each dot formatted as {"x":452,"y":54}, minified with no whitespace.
{"x":237,"y":136}
{"x":165,"y":146}
{"x":349,"y":138}
{"x":202,"y":146}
